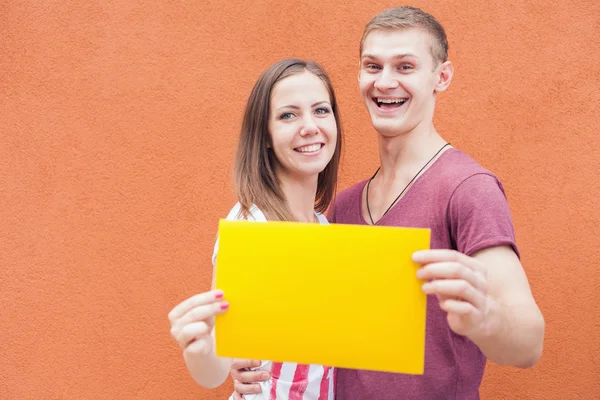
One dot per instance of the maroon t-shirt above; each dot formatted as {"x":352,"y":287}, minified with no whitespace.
{"x":465,"y":207}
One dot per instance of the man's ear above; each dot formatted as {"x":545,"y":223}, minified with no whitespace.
{"x":360,"y":68}
{"x":445,"y":76}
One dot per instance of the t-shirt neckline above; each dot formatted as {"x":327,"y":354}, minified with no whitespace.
{"x":400,"y":200}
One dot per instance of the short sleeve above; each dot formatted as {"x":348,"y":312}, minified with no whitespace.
{"x":256,"y":215}
{"x":215,"y":251}
{"x":322,"y":219}
{"x":479,"y":215}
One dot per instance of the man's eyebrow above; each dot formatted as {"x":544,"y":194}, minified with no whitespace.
{"x":397,"y":56}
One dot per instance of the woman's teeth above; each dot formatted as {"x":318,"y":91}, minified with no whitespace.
{"x":310,"y":148}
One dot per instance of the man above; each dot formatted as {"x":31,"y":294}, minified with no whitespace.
{"x":480,"y":305}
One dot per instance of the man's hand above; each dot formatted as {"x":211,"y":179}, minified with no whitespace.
{"x":460,"y":283}
{"x":246,"y":381}
{"x":488,"y":299}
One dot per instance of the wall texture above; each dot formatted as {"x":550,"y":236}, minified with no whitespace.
{"x":118,"y":121}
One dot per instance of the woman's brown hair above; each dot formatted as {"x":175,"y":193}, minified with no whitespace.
{"x":254,"y":173}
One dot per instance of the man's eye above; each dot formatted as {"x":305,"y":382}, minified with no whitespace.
{"x":373,"y":67}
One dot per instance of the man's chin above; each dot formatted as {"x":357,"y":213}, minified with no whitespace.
{"x":387,"y":128}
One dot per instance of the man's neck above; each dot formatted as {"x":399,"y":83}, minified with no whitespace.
{"x":300,"y":195}
{"x":403,"y":155}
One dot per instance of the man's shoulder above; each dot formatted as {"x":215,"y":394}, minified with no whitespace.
{"x":459,"y":162}
{"x":464,"y":183}
{"x":457,"y":167}
{"x":346,"y":202}
{"x":350,"y":194}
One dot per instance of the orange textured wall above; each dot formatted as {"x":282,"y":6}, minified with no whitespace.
{"x":118,"y":123}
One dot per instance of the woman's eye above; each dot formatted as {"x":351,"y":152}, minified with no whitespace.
{"x":322,"y":110}
{"x":286,"y":115}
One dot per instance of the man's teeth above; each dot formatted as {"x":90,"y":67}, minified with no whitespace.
{"x":390,"y":101}
{"x":309,"y":149}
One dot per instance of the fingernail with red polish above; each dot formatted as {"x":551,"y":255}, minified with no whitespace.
{"x":219,"y":295}
{"x":224,"y":306}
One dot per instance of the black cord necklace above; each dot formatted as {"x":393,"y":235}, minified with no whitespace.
{"x":403,"y":190}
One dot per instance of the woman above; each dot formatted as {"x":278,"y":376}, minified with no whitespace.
{"x":285,"y":170}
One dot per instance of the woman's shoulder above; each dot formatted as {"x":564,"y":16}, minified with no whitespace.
{"x":255,"y":214}
{"x":322,"y":218}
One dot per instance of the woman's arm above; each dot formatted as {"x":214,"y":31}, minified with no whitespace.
{"x":192,"y":323}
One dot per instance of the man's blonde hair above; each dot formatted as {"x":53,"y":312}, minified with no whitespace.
{"x":410,"y":17}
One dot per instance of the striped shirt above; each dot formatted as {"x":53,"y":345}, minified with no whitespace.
{"x":289,"y":381}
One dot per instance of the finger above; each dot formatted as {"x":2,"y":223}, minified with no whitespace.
{"x":202,"y":346}
{"x":241,"y":363}
{"x":251,"y":377}
{"x":458,"y":307}
{"x":442,"y":255}
{"x":200,"y":299}
{"x":455,"y":288}
{"x":246,"y":388}
{"x":442,"y":298}
{"x":191,"y":332}
{"x":202,"y":313}
{"x":451,"y":270}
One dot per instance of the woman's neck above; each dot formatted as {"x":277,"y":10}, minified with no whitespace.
{"x":300,"y":195}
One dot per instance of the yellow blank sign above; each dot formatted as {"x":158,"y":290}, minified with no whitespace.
{"x":338,"y":295}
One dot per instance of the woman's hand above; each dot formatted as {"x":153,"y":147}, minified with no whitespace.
{"x":192,"y":322}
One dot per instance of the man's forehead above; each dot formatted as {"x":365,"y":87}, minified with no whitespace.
{"x":397,"y":43}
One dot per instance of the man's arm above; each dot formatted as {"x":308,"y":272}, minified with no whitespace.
{"x":515,"y":331}
{"x":488,"y":299}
